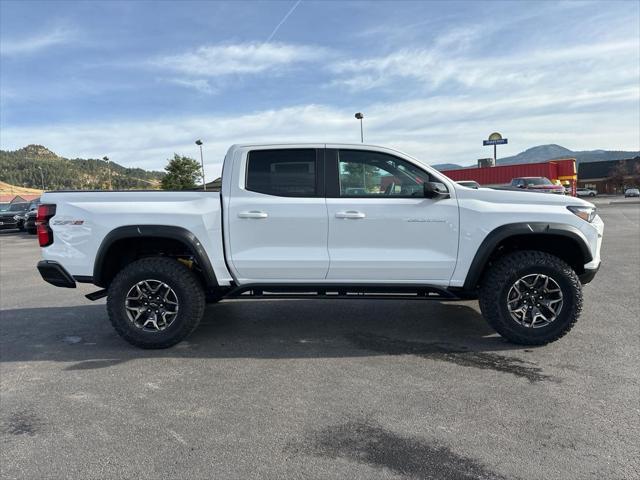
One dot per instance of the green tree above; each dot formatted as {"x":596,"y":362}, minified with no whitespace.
{"x":182,"y":173}
{"x":636,"y":172}
{"x":618,"y":174}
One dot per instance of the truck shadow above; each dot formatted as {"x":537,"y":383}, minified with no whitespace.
{"x":272,"y":329}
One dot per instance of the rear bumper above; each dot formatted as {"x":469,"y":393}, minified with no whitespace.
{"x":588,"y":275}
{"x":55,"y":274}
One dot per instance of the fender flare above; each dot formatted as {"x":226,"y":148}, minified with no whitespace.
{"x":498,"y":235}
{"x":157,"y":231}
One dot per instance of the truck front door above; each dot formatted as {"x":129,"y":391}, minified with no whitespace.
{"x":381,"y":227}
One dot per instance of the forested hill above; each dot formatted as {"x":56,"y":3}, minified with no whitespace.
{"x":22,"y":168}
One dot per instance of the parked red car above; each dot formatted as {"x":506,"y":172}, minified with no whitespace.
{"x":541,"y":184}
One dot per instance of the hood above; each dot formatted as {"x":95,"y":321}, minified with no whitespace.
{"x":546,"y":187}
{"x":526,"y":196}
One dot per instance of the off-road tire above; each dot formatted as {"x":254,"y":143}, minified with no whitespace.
{"x":501,"y":276}
{"x":188,"y":290}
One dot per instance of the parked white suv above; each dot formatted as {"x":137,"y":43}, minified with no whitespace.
{"x":323,"y":221}
{"x":586,"y":192}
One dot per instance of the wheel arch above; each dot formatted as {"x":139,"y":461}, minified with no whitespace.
{"x":563,"y":240}
{"x":115,"y":250}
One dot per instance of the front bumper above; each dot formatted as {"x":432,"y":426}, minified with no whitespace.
{"x":5,"y":223}
{"x":55,"y":274}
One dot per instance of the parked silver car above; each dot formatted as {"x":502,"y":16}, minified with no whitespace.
{"x":586,"y":192}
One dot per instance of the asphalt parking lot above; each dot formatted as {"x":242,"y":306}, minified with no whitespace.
{"x":320,"y":389}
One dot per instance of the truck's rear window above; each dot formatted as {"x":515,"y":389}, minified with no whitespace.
{"x":284,"y":173}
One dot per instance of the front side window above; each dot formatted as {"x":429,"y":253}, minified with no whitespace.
{"x":372,"y":174}
{"x":539,"y":181}
{"x":283,"y":173}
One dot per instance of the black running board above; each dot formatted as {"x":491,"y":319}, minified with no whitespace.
{"x":341,"y":291}
{"x":97,"y":295}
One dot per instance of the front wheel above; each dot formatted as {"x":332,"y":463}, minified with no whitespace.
{"x":531,"y":297}
{"x":155,"y":302}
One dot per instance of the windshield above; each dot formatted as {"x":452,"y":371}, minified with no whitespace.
{"x":538,"y":181}
{"x":17,"y":207}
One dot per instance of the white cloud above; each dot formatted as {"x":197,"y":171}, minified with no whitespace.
{"x":444,"y":64}
{"x":436,"y":130}
{"x":583,"y":96}
{"x":200,"y":84}
{"x":241,"y":58}
{"x":41,"y":41}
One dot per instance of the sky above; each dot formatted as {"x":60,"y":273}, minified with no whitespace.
{"x":138,"y":81}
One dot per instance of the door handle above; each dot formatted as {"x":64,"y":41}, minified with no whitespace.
{"x":350,"y":214}
{"x":253,"y":214}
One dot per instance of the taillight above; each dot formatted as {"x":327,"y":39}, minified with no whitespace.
{"x":45,"y":234}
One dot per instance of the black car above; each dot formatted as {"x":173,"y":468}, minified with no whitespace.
{"x":13,"y":216}
{"x":30,"y":221}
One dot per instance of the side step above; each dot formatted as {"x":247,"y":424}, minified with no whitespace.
{"x":97,"y":295}
{"x":341,"y":291}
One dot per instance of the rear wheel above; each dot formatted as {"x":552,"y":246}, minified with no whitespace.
{"x":531,"y":297}
{"x":155,"y":302}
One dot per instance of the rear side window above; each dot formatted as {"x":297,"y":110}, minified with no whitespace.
{"x":283,"y":173}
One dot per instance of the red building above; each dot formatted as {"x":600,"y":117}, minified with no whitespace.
{"x":563,"y":170}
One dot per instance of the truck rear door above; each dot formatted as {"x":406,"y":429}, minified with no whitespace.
{"x":277,"y":215}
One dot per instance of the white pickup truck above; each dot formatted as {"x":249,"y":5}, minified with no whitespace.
{"x":323,"y":221}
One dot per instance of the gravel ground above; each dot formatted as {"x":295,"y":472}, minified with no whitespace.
{"x":320,"y":389}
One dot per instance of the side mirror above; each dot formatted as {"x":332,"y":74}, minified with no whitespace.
{"x":521,"y":185}
{"x":435,"y":190}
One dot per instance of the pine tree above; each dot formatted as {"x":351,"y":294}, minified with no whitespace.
{"x":182,"y":173}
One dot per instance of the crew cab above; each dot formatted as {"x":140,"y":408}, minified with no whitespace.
{"x":323,"y":221}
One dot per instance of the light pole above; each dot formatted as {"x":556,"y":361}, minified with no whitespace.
{"x":204,"y":183}
{"x":106,"y":159}
{"x":41,"y":177}
{"x":360,"y":116}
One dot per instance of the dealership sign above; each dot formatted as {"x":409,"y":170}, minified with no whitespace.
{"x":495,"y":139}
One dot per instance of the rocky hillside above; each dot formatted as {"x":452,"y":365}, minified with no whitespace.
{"x":28,"y":166}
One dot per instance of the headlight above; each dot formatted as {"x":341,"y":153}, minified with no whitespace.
{"x":585,"y":213}
{"x":17,"y":217}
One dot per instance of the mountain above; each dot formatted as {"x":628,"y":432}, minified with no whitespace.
{"x":447,"y":166}
{"x":537,"y":154}
{"x":33,"y":164}
{"x":542,"y":153}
